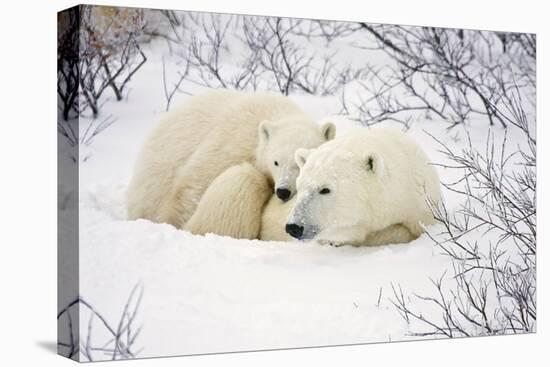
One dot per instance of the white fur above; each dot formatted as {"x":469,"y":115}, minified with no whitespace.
{"x":195,"y":143}
{"x":275,"y":216}
{"x":379,"y":182}
{"x":274,"y":220}
{"x":367,"y":205}
{"x":233,"y":204}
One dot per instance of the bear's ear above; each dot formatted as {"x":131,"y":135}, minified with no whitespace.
{"x":374,"y":163}
{"x":300,"y":156}
{"x":264,"y":130}
{"x":328,"y":130}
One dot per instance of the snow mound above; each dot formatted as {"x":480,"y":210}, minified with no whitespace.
{"x":210,"y":293}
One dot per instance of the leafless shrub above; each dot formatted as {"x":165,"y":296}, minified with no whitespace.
{"x":200,"y":42}
{"x":491,"y":240}
{"x":327,"y":29}
{"x":329,"y":78}
{"x":68,"y":76}
{"x":110,"y":53}
{"x":68,"y":25}
{"x":109,"y":341}
{"x":268,"y":39}
{"x":207,"y":45}
{"x":175,"y":27}
{"x":267,"y":53}
{"x":170,"y":90}
{"x":98,"y":50}
{"x":291,"y":66}
{"x":94,"y":128}
{"x":452,"y":74}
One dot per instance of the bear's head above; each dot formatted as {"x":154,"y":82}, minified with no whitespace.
{"x":278,"y":141}
{"x":336,"y":194}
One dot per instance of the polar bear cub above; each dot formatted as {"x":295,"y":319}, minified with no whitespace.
{"x":233,"y":204}
{"x":368,"y":187}
{"x":197,"y":142}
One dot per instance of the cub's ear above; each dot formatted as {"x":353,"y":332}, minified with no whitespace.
{"x":328,"y":130}
{"x":300,"y":156}
{"x":374,"y":163}
{"x":265,"y":129}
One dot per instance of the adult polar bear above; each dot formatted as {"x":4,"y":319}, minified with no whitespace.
{"x":371,"y":187}
{"x":194,"y":144}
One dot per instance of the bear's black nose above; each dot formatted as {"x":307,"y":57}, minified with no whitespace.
{"x":294,"y":230}
{"x":283,"y":194}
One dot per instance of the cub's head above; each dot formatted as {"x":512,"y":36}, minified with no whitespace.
{"x":335,"y":189}
{"x":278,"y":141}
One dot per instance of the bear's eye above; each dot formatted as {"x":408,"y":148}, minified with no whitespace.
{"x":276,"y":163}
{"x":324,"y":191}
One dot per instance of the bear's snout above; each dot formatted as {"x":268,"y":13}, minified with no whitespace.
{"x":283,"y":194}
{"x":294,"y":230}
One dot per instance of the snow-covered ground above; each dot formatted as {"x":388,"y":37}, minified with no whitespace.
{"x":215,"y":294}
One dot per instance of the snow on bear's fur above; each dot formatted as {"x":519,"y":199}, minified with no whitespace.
{"x":197,"y":142}
{"x":367,"y":188}
{"x":274,"y":220}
